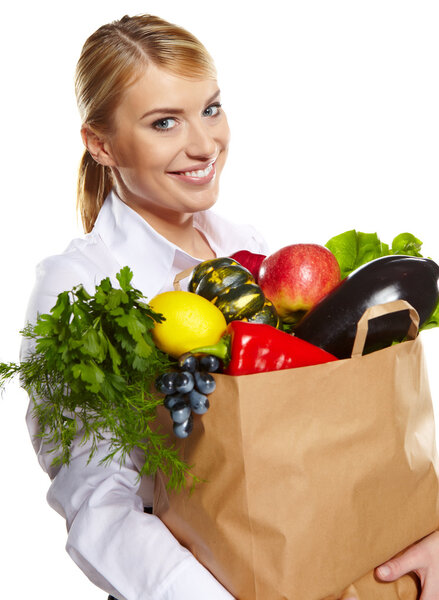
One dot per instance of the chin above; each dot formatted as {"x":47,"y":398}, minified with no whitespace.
{"x":201,"y":203}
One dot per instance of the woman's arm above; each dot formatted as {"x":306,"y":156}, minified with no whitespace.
{"x":122,"y":550}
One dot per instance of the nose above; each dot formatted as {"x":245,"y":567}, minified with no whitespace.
{"x":201,"y":141}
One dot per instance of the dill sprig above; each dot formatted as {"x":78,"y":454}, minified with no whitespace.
{"x":91,"y":374}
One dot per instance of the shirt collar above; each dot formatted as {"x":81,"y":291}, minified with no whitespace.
{"x":133,"y":242}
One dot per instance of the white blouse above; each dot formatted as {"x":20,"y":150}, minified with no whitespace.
{"x":121,"y":549}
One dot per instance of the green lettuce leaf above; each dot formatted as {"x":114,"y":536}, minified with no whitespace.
{"x":406,"y":243}
{"x":355,"y":248}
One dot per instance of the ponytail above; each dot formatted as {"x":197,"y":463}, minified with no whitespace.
{"x":94,"y":183}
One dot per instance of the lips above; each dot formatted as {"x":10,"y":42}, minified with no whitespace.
{"x":196,"y":180}
{"x":194,"y":168}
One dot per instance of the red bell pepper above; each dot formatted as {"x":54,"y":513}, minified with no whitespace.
{"x":247,"y":348}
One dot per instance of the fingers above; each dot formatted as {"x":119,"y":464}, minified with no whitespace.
{"x":411,"y":560}
{"x":396,"y":568}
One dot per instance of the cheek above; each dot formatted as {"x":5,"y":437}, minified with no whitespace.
{"x":139,"y":154}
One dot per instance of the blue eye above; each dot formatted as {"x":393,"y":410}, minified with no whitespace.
{"x":158,"y":124}
{"x":216,"y":105}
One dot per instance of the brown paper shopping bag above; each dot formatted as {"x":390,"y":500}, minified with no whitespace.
{"x":315,"y":475}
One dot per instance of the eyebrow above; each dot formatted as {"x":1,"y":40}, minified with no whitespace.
{"x":176,"y":110}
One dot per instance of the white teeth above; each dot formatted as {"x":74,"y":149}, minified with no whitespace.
{"x":199,"y":173}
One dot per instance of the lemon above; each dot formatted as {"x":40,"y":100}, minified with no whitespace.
{"x":191,"y":322}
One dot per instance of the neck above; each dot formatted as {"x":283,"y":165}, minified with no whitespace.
{"x":176,"y":227}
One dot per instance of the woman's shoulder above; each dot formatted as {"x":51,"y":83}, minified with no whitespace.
{"x":85,"y":261}
{"x":77,"y":263}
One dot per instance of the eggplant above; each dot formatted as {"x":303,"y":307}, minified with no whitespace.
{"x":332,"y":323}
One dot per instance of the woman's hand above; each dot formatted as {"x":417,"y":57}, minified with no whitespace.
{"x":423,"y":559}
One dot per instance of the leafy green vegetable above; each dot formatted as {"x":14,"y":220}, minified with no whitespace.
{"x":406,"y":243}
{"x":355,"y":248}
{"x":93,"y":370}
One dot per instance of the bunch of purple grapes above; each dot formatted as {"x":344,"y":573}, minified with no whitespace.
{"x":187,"y":388}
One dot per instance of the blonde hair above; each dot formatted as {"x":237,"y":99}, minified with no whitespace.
{"x":113,"y":58}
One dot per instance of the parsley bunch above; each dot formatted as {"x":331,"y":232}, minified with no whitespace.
{"x":92,"y":374}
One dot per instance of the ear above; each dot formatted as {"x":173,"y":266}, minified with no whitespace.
{"x":97,"y":146}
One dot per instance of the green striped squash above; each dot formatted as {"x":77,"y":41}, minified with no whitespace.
{"x":220,"y":280}
{"x":239,"y":302}
{"x":207,"y":266}
{"x":267,"y":315}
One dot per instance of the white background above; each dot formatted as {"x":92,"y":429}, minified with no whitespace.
{"x":333,"y":108}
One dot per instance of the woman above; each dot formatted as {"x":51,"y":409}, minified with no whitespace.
{"x":156,"y":142}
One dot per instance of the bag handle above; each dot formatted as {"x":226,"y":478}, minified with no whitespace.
{"x":181,"y":276}
{"x":377,"y":311}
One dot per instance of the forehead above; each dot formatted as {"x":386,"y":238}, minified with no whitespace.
{"x":157,"y":88}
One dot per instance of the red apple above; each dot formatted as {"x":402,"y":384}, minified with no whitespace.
{"x":296,"y":277}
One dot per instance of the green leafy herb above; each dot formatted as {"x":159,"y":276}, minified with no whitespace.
{"x":92,"y":374}
{"x":355,"y":248}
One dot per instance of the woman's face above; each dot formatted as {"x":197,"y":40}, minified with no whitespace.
{"x":150,"y":151}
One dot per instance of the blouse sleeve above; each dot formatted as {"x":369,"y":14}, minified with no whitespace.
{"x":124,"y":551}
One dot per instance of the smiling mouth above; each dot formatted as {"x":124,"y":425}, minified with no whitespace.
{"x":201,"y":173}
{"x":200,"y":177}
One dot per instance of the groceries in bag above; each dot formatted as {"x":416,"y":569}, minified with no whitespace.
{"x":331,"y":324}
{"x":296,"y":277}
{"x":248,"y":348}
{"x":232,"y":288}
{"x":314,"y":462}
